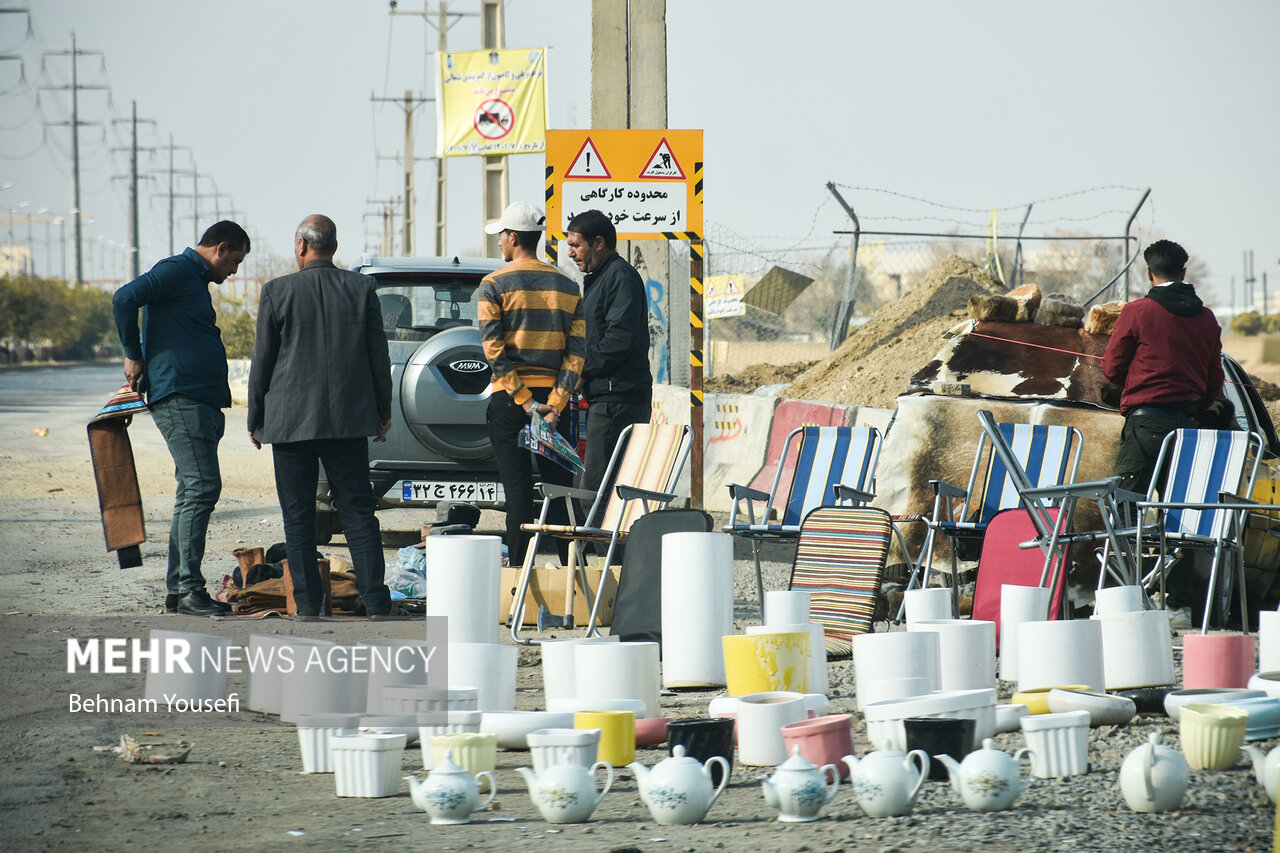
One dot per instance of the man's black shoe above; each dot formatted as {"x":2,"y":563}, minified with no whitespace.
{"x":198,"y":603}
{"x":171,"y":602}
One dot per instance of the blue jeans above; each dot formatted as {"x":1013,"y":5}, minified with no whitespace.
{"x":346,"y":462}
{"x":192,"y":429}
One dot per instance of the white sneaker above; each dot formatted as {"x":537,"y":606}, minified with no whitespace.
{"x":1180,"y":618}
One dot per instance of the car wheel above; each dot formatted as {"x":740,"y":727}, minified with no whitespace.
{"x":327,"y":524}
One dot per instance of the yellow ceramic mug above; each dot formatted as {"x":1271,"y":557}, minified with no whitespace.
{"x":764,"y":663}
{"x":617,"y":734}
{"x":472,"y":751}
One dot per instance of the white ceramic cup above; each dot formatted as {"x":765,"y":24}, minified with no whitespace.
{"x":761,"y":717}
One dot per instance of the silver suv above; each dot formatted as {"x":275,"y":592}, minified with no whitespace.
{"x":438,"y":447}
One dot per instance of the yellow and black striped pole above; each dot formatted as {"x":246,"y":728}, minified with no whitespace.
{"x":553,"y":251}
{"x":695,"y":367}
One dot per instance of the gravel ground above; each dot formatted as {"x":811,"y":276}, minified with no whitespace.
{"x":242,"y":788}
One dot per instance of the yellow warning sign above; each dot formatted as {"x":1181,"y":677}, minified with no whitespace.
{"x":649,"y":182}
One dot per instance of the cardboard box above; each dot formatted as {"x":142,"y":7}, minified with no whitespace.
{"x":550,"y":586}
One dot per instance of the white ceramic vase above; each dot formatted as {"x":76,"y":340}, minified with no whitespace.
{"x":1117,"y":599}
{"x":1268,"y":640}
{"x":1051,"y":654}
{"x":270,"y":655}
{"x":929,"y":603}
{"x":488,"y":667}
{"x":697,"y":607}
{"x":463,"y":578}
{"x":819,"y":681}
{"x":557,"y":666}
{"x":966,"y":652}
{"x":1018,"y":604}
{"x":1136,"y":651}
{"x":618,"y":671}
{"x":786,"y":607}
{"x":894,"y":654}
{"x":761,"y":717}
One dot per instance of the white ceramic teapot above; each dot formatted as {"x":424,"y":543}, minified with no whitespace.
{"x":566,"y":793}
{"x":450,"y":794}
{"x":798,"y":789}
{"x":678,"y":789}
{"x":1153,"y":778}
{"x":1266,"y":768}
{"x":886,"y":782}
{"x":988,"y":779}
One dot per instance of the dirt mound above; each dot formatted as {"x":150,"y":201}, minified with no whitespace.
{"x":872,"y":366}
{"x":757,"y":376}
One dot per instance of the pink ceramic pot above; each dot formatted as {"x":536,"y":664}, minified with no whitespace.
{"x":822,"y":740}
{"x":1216,"y":660}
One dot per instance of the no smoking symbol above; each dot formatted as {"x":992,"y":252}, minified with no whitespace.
{"x":494,"y":119}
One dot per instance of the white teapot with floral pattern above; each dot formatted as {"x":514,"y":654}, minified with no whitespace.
{"x":988,"y":779}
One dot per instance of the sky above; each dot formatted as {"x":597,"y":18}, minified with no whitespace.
{"x":928,"y":114}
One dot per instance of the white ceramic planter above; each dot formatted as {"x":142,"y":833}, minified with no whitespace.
{"x":1175,"y":700}
{"x":557,"y":666}
{"x":1269,"y":640}
{"x":206,"y":657}
{"x":786,"y":607}
{"x":895,"y":654}
{"x":966,"y":652}
{"x":271,"y":656}
{"x":574,"y":705}
{"x":410,"y":699}
{"x":1018,"y":604}
{"x":513,"y":727}
{"x":818,"y":677}
{"x":885,"y":689}
{"x":1117,"y":599}
{"x":395,"y":661}
{"x":931,"y":603}
{"x":619,"y":671}
{"x":1060,"y":742}
{"x":367,"y":765}
{"x":326,"y":688}
{"x":884,"y":719}
{"x":761,"y":717}
{"x":549,"y":747}
{"x":1103,"y":709}
{"x":316,"y":732}
{"x":488,"y":667}
{"x":1009,"y":717}
{"x":1068,"y":651}
{"x":463,"y":578}
{"x":1267,"y":681}
{"x":697,"y":607}
{"x":391,"y":724}
{"x":431,"y":724}
{"x":1136,"y":651}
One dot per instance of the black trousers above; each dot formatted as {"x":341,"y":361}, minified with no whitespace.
{"x":515,"y":466}
{"x":346,"y":461}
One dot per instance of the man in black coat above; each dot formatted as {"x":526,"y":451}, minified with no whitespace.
{"x":616,"y":380}
{"x":320,"y":385}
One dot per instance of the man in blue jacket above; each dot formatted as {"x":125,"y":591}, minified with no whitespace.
{"x":177,"y":359}
{"x":615,"y":378}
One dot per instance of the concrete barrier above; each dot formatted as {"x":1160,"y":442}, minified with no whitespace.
{"x":735,"y":435}
{"x":789,"y":415}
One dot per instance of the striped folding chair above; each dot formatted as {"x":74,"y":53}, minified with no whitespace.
{"x":1203,"y":504}
{"x":833,"y":465}
{"x":641,"y":477}
{"x":1030,"y":456}
{"x":840,"y":560}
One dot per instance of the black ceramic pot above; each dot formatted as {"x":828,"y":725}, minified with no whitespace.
{"x":703,"y":739}
{"x":939,"y":736}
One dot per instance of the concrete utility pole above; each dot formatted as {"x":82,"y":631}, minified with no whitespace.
{"x":75,"y":125}
{"x":496,"y":182}
{"x":409,"y":105}
{"x":135,"y":247}
{"x":445,"y":20}
{"x":387,"y":219}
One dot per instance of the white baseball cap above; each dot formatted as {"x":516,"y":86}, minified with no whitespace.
{"x":519,"y":216}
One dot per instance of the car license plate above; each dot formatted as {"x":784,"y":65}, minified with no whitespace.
{"x":437,"y":490}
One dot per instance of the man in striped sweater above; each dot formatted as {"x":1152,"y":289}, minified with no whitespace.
{"x":534,"y":339}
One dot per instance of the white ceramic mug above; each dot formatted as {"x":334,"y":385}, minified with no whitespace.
{"x":761,"y":717}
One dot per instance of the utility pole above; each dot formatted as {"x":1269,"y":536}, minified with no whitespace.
{"x":1249,"y":280}
{"x":387,"y":217}
{"x":134,"y":245}
{"x":496,"y":187}
{"x":445,"y":20}
{"x":409,"y":104}
{"x":172,"y":173}
{"x":75,"y":125}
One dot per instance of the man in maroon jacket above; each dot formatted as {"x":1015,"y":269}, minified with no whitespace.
{"x":1166,"y":355}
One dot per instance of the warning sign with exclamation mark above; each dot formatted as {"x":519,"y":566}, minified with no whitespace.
{"x":588,"y":164}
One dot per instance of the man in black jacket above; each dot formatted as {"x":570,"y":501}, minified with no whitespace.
{"x":615,"y":379}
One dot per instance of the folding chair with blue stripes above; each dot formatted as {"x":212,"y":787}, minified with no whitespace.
{"x":834,"y":465}
{"x":1203,"y":504}
{"x":1033,"y":455}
